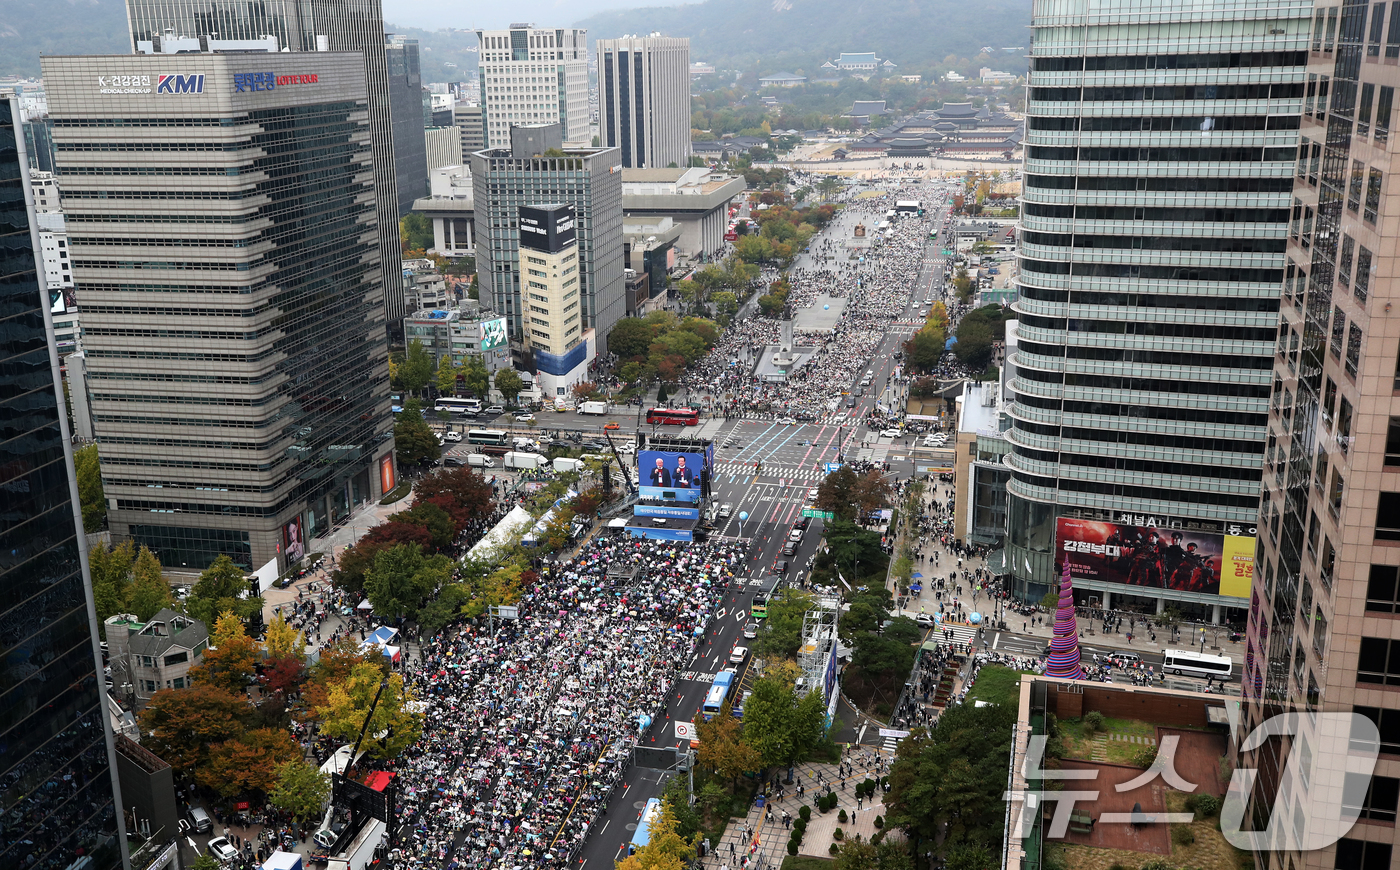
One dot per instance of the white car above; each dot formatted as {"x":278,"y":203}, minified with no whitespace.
{"x":924,"y":620}
{"x":812,"y":494}
{"x":452,"y":436}
{"x":787,"y":421}
{"x":737,"y":657}
{"x":220,"y":848}
{"x":525,"y":417}
{"x":891,"y":433}
{"x":751,"y":631}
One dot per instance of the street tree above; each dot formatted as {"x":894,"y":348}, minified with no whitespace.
{"x":231,"y":658}
{"x":722,"y":747}
{"x":666,"y":849}
{"x":946,"y":786}
{"x":334,"y":665}
{"x":248,"y":762}
{"x":90,"y":494}
{"x":348,"y":704}
{"x":111,"y":576}
{"x":414,"y":441}
{"x":217,"y":591}
{"x":417,"y":367}
{"x":446,"y":377}
{"x":858,"y":855}
{"x":509,"y":384}
{"x":462,"y":492}
{"x":206,"y":862}
{"x":439,"y":524}
{"x":781,"y":725}
{"x":476,"y":377}
{"x":781,"y":635}
{"x":283,"y":641}
{"x":302,"y":790}
{"x":183,"y":724}
{"x":148,"y":593}
{"x":402,"y":577}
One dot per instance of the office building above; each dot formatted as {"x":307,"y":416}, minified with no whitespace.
{"x":59,"y":764}
{"x":467,"y":330}
{"x":532,"y":76}
{"x":1322,"y":617}
{"x":644,"y":97}
{"x":443,"y":146}
{"x":223,"y":228}
{"x":409,"y":117}
{"x":697,"y":200}
{"x":1158,"y":181}
{"x":356,"y":25}
{"x":467,"y":118}
{"x":553,"y":321}
{"x":503,"y":180}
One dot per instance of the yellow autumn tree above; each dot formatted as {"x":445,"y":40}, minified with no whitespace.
{"x":283,"y":641}
{"x":231,"y":658}
{"x":348,"y":702}
{"x":666,"y":850}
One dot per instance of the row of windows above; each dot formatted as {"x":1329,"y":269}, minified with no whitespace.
{"x":1153,"y":213}
{"x":1178,"y":123}
{"x":1152,"y":300}
{"x":167,"y":462}
{"x":1233,"y":60}
{"x":240,"y":290}
{"x":224,"y":401}
{"x":172,"y":121}
{"x":181,"y":421}
{"x":152,"y":170}
{"x":1158,"y":243}
{"x":1149,"y":385}
{"x":1180,"y":154}
{"x":1168,"y":273}
{"x":1143,"y":493}
{"x":160,"y":194}
{"x":153,"y":146}
{"x":175,"y":266}
{"x":140,"y":218}
{"x":1183,"y":184}
{"x":1157,"y":439}
{"x":1289,"y":90}
{"x":1150,"y":357}
{"x":1172,"y":469}
{"x":172,"y":484}
{"x":178,"y":355}
{"x":173,"y":507}
{"x":1176,"y":329}
{"x":1178,"y":412}
{"x":160,"y":241}
{"x":176,"y":311}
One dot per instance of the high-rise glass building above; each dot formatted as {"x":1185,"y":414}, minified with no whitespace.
{"x":353,"y":25}
{"x":532,"y":75}
{"x":1158,"y":189}
{"x":406,"y":110}
{"x":644,"y":99}
{"x":1323,"y":631}
{"x":223,"y":224}
{"x":62,"y":805}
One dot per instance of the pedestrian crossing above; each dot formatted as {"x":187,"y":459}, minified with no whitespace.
{"x":746,"y":469}
{"x":954,"y":632}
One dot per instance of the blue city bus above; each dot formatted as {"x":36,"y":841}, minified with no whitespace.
{"x":714,"y":698}
{"x":643,"y":833}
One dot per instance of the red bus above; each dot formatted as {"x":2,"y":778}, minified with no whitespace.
{"x":674,"y":416}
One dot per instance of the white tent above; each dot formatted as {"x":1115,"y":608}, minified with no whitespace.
{"x":496,"y":540}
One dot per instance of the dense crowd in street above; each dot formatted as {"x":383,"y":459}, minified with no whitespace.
{"x":517,"y":759}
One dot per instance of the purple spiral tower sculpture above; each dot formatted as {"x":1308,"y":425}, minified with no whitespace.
{"x":1064,"y":647}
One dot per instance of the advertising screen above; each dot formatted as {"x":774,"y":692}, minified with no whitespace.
{"x":674,"y":513}
{"x":1186,"y":560}
{"x":386,"y":474}
{"x":670,"y":476}
{"x":493,"y":333}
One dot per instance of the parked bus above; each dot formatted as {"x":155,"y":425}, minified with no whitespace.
{"x":491,"y":437}
{"x":457,"y":406}
{"x":642,"y":836}
{"x":674,"y":416}
{"x":714,"y":698}
{"x":1194,"y":664}
{"x":759,"y":608}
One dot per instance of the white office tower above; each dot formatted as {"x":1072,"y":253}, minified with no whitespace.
{"x":644,"y":99}
{"x":532,"y":76}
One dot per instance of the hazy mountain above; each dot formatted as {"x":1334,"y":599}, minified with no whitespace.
{"x":29,"y":28}
{"x":799,"y":35}
{"x":470,"y":14}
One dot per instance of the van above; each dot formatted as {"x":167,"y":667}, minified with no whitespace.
{"x":477,"y":460}
{"x":200,"y":821}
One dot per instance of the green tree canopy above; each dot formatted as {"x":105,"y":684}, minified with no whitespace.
{"x":217,"y":591}
{"x":90,"y":495}
{"x":402,"y":577}
{"x":780,"y":724}
{"x":417,"y":367}
{"x":415,"y":232}
{"x":414,"y":441}
{"x":509,"y":384}
{"x":302,"y":790}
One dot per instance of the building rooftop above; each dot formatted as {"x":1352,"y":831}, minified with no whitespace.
{"x":166,"y":629}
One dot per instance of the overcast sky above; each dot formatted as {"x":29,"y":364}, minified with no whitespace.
{"x":433,"y":14}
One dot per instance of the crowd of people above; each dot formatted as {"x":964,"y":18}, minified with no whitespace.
{"x":517,"y":758}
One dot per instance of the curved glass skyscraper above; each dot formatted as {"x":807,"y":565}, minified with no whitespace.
{"x":1158,"y":174}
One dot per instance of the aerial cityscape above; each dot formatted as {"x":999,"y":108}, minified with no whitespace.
{"x":447,"y":442}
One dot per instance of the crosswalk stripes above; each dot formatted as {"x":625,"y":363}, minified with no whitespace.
{"x":959,"y":632}
{"x":785,"y":472}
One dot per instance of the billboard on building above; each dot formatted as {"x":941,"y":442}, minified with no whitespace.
{"x":1185,"y":560}
{"x":547,"y":228}
{"x":493,"y":334}
{"x":386,"y":475}
{"x":294,"y":540}
{"x":670,"y":476}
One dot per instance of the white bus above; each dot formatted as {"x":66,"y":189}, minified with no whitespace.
{"x":1185,"y":662}
{"x":457,"y":406}
{"x":491,"y":437}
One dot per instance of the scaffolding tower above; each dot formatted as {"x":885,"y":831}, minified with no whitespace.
{"x":818,"y":646}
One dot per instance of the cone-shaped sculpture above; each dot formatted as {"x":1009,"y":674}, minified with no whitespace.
{"x":1064,"y":647}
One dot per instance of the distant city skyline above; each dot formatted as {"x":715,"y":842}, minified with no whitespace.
{"x":479,"y":14}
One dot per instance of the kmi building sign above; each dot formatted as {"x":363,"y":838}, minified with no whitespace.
{"x":176,"y":83}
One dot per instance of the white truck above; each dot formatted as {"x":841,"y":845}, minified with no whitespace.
{"x":563,"y":463}
{"x":593,"y":407}
{"x":521,"y":459}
